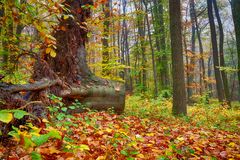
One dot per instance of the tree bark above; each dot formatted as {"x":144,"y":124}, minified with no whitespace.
{"x":179,"y":94}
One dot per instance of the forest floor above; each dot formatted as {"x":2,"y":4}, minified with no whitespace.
{"x":146,"y":131}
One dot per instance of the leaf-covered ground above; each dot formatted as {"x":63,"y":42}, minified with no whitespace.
{"x":108,"y":136}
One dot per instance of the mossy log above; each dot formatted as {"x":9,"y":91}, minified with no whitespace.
{"x":99,"y":97}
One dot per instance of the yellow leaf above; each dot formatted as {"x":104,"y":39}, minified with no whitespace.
{"x":199,"y":149}
{"x":53,"y":150}
{"x":150,"y":134}
{"x":232,"y":144}
{"x":101,"y":158}
{"x":65,"y":17}
{"x":180,"y":138}
{"x":6,"y":117}
{"x":140,"y":156}
{"x":68,"y":146}
{"x":53,"y":53}
{"x":45,"y":120}
{"x":109,"y":130}
{"x":100,"y":132}
{"x":48,"y":50}
{"x":84,"y":147}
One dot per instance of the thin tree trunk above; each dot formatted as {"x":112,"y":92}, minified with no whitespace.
{"x":201,"y":61}
{"x":222,"y":62}
{"x":141,"y":33}
{"x":193,"y":50}
{"x":128,"y":78}
{"x":220,"y":89}
{"x":105,"y":37}
{"x":210,"y":86}
{"x":152,"y":52}
{"x":165,"y":68}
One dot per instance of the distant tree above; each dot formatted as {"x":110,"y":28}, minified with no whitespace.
{"x":105,"y":38}
{"x":221,"y":52}
{"x":191,"y":66}
{"x":152,"y":51}
{"x":179,"y":93}
{"x":219,"y":83}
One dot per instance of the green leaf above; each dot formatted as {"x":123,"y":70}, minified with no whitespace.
{"x":14,"y":134}
{"x":5,"y":117}
{"x":67,"y":139}
{"x":60,"y":116}
{"x":36,"y":156}
{"x":72,"y":107}
{"x":39,"y":140}
{"x":191,"y":151}
{"x":134,"y":152}
{"x":124,"y":152}
{"x":28,"y":142}
{"x":162,"y":158}
{"x":54,"y":134}
{"x":64,"y":109}
{"x":19,"y":114}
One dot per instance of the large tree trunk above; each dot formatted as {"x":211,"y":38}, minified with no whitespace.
{"x":179,"y":94}
{"x":67,"y":75}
